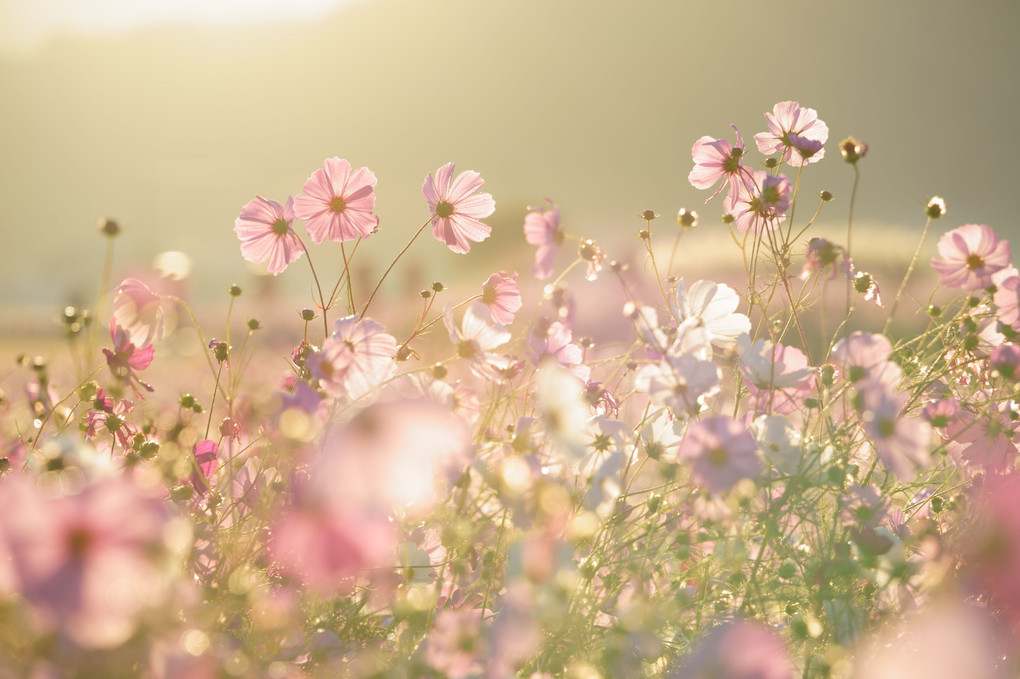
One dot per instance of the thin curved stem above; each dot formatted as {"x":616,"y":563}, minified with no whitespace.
{"x":390,"y":267}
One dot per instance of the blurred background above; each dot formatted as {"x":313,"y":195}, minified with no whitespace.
{"x":169,"y":115}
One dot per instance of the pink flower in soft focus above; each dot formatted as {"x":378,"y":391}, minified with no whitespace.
{"x":330,"y":365}
{"x":796,"y":131}
{"x":992,"y":546}
{"x":716,"y":159}
{"x":970,"y":255}
{"x":721,"y":451}
{"x":372,"y":355}
{"x":325,"y":547}
{"x":942,"y":412}
{"x":206,"y":463}
{"x":137,"y":310}
{"x":84,"y":562}
{"x":542,"y":228}
{"x":864,"y":506}
{"x":455,"y":647}
{"x":503,"y":297}
{"x":1005,"y":359}
{"x":778,"y":376}
{"x":764,"y":205}
{"x":866,"y":356}
{"x":125,"y":359}
{"x":986,"y":440}
{"x":337,"y":202}
{"x":558,"y":343}
{"x":738,"y":650}
{"x":902,"y":443}
{"x":264,"y":227}
{"x":1007,"y":301}
{"x":457,"y":210}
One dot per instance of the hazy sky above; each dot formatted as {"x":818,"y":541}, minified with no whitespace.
{"x":27,"y":25}
{"x":172,"y":124}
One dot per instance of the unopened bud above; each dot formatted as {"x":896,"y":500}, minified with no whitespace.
{"x":108,"y":227}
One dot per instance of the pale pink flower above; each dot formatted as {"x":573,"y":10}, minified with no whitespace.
{"x":1005,"y":360}
{"x":542,"y":228}
{"x":502,"y":295}
{"x":372,"y":354}
{"x":337,"y":202}
{"x":778,"y":376}
{"x":992,"y":545}
{"x":330,"y":365}
{"x":137,"y":310}
{"x":796,"y":131}
{"x":457,"y":210}
{"x":902,"y":443}
{"x":866,"y":356}
{"x":111,"y":417}
{"x":84,"y":562}
{"x":940,"y":413}
{"x":763,"y":205}
{"x":864,"y":506}
{"x":716,"y":159}
{"x":971,"y":254}
{"x":986,"y":440}
{"x":558,"y":343}
{"x":1007,"y":301}
{"x":721,"y":451}
{"x":822,"y":254}
{"x":264,"y":227}
{"x":455,"y":647}
{"x":738,"y":650}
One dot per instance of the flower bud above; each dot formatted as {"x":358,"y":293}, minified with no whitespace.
{"x":307,"y":314}
{"x":108,"y":227}
{"x":687,"y":219}
{"x":826,"y":196}
{"x":852,"y":150}
{"x":234,"y":290}
{"x":936,"y":208}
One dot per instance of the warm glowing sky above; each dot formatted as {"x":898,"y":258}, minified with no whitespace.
{"x":26,"y":25}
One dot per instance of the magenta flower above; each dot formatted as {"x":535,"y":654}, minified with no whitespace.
{"x":137,"y":310}
{"x":125,"y":359}
{"x":111,"y":417}
{"x":264,"y":227}
{"x":796,"y":131}
{"x":337,"y":203}
{"x":503,"y":297}
{"x":716,"y":159}
{"x":457,"y":210}
{"x":970,"y":255}
{"x":721,"y":451}
{"x":542,"y":228}
{"x":207,"y":461}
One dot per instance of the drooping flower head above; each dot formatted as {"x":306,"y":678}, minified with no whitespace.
{"x":264,"y":227}
{"x":542,"y":228}
{"x":796,"y":131}
{"x":457,"y":209}
{"x":137,"y":310}
{"x":970,"y":255}
{"x":125,"y":359}
{"x":337,"y":202}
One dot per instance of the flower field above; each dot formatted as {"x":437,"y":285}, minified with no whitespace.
{"x":784,"y":471}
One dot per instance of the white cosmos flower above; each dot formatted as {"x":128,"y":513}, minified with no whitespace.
{"x":715,"y":306}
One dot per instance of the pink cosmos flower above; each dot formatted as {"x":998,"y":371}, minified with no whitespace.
{"x":137,"y":310}
{"x":738,"y":650}
{"x":264,"y":227}
{"x":372,"y":354}
{"x":337,"y":202}
{"x":503,"y":297}
{"x":970,"y":255}
{"x":796,"y":131}
{"x":866,"y":356}
{"x":721,"y":451}
{"x":457,"y":210}
{"x":329,"y":366}
{"x":206,"y":463}
{"x":763,"y":205}
{"x":679,"y":382}
{"x":987,"y":440}
{"x":542,"y":228}
{"x":111,"y":417}
{"x":716,"y":159}
{"x":84,"y":562}
{"x":714,"y":306}
{"x":822,"y":254}
{"x":902,"y":443}
{"x":778,"y":376}
{"x":1007,"y":301}
{"x":993,"y":545}
{"x":125,"y":359}
{"x":558,"y":343}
